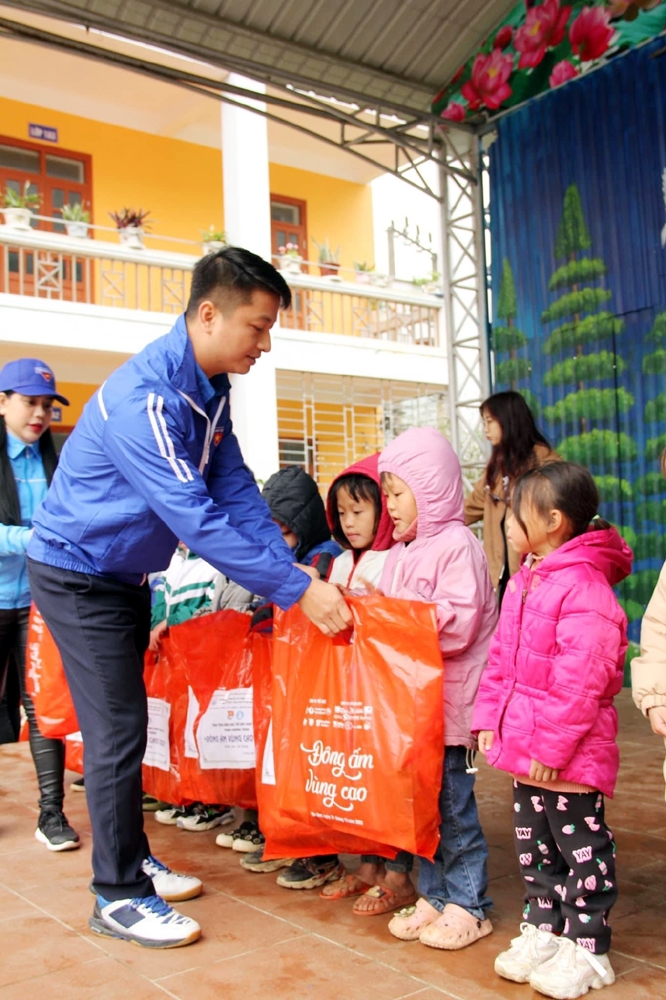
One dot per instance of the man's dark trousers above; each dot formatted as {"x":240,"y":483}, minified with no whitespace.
{"x":101,"y":627}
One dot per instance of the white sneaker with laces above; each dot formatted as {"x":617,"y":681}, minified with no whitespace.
{"x":571,"y":972}
{"x":170,"y":815}
{"x":169,"y":885}
{"x":148,"y":921}
{"x":526,"y":953}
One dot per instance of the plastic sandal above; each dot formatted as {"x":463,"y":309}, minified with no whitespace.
{"x":454,"y":929}
{"x":409,"y":923}
{"x":344,"y":888}
{"x":386,"y":900}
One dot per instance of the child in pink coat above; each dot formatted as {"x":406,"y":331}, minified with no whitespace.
{"x":545,"y":714}
{"x":438,"y":559}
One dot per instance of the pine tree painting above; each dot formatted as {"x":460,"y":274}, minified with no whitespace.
{"x":508,"y":339}
{"x":586,"y":371}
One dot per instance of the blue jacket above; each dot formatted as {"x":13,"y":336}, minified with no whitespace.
{"x":152,"y":461}
{"x":28,"y":469}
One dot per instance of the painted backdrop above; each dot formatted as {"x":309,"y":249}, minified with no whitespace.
{"x":578,"y":208}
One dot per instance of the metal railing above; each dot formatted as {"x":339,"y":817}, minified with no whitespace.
{"x":54,"y":266}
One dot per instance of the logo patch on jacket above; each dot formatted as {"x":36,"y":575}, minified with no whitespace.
{"x":217,"y":437}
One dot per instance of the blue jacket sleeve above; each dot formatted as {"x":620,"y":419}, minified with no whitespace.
{"x":150,"y":454}
{"x":232,"y":486}
{"x":14,"y":539}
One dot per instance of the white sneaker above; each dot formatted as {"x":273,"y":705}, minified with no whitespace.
{"x":526,"y":953}
{"x":170,"y":815}
{"x":201,"y":817}
{"x":147,"y":921}
{"x":169,"y":885}
{"x":571,"y":972}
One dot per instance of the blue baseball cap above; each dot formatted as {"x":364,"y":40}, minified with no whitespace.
{"x":30,"y":377}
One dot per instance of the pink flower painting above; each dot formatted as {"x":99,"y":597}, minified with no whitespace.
{"x":454,"y":112}
{"x":562,"y":71}
{"x":544,"y":28}
{"x":488,"y":84}
{"x":591,"y":33}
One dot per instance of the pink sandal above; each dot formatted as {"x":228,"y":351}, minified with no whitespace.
{"x":384,"y":900}
{"x":455,"y":928}
{"x":408,"y":923}
{"x":344,"y":888}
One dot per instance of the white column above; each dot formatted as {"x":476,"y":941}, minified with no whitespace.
{"x":247,"y":221}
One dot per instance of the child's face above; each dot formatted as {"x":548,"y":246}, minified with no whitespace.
{"x":543,"y":535}
{"x":357,"y":519}
{"x":290,"y":537}
{"x":492,"y":428}
{"x":400,"y":501}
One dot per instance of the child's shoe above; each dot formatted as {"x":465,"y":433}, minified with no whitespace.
{"x":409,"y":923}
{"x":310,"y":873}
{"x":169,"y":815}
{"x":200,"y":817}
{"x":527,"y":953}
{"x":254,"y":862}
{"x":455,"y":928}
{"x":571,"y":972}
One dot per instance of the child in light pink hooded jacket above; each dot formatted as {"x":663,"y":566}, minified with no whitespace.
{"x":438,"y":559}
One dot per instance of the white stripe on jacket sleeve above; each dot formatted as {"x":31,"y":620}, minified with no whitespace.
{"x":165,"y":444}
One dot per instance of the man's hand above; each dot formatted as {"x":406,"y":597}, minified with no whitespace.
{"x":156,"y":637}
{"x":486,"y":738}
{"x":325,"y":606}
{"x":657,"y":717}
{"x":539,"y":772}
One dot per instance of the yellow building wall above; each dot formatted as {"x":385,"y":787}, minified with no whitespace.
{"x":181,"y":183}
{"x":337,"y":210}
{"x":78,"y":395}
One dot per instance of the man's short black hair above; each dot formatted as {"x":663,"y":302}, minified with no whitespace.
{"x":230,"y":277}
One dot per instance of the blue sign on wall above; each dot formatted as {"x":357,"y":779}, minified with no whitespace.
{"x":44,"y":132}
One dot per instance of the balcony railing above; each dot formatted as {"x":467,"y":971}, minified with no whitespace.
{"x":52,"y":266}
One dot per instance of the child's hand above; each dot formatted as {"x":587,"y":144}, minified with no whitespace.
{"x":486,"y":739}
{"x":539,"y":772}
{"x":156,"y":637}
{"x":657,"y":717}
{"x":310,"y":570}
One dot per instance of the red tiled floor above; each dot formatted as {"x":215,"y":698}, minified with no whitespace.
{"x":268,"y":943}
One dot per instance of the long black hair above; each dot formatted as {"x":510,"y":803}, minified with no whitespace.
{"x":515,"y":452}
{"x":10,"y":508}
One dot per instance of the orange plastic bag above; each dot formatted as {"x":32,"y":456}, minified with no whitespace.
{"x":74,"y":752}
{"x":287,"y":837}
{"x":46,"y":681}
{"x":200,"y":737}
{"x":361,"y":723}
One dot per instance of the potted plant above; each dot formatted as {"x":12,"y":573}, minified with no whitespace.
{"x":431,"y":283}
{"x":131,"y":226}
{"x":17,"y":206}
{"x":213,"y":239}
{"x":329,"y":260}
{"x":76,"y":218}
{"x":289,"y":259}
{"x":363,"y":272}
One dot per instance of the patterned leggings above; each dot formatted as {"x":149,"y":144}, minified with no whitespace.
{"x":567,"y":860}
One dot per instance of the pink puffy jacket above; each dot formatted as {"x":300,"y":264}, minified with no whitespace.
{"x":556,"y":663}
{"x":444,"y":564}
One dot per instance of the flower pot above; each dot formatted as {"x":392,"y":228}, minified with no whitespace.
{"x":77,"y":229}
{"x":131,"y":237}
{"x":329,"y":270}
{"x":290,"y":265}
{"x":212,"y":246}
{"x":17,"y":218}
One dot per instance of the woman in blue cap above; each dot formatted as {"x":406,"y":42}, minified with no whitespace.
{"x":27,"y":463}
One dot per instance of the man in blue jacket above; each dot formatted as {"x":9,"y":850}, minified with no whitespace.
{"x":153,"y":460}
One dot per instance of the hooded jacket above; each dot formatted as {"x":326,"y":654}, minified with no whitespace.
{"x":445,"y":564}
{"x":294,"y":499}
{"x":152,"y":460}
{"x":353,"y":569}
{"x":556,"y":662}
